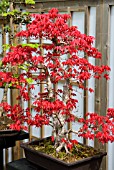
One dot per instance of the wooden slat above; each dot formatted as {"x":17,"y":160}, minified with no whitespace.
{"x":44,"y":4}
{"x":62,"y":4}
{"x":86,"y":31}
{"x":101,"y":86}
{"x":30,"y":128}
{"x":42,"y":135}
{"x":29,"y":105}
{"x":69,"y":23}
{"x":87,"y":23}
{"x":3,"y":53}
{"x":3,"y":40}
{"x":14,"y":92}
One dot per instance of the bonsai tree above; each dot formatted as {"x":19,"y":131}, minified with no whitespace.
{"x":58,"y":60}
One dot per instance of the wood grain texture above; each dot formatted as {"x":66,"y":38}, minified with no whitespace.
{"x":102,"y":32}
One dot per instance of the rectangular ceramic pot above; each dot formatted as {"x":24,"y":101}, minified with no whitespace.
{"x":50,"y":163}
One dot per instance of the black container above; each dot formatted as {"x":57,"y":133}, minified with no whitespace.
{"x":8,"y":138}
{"x":50,"y":163}
{"x":8,"y":133}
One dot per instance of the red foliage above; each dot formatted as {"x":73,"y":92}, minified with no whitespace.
{"x":65,"y":41}
{"x":100,"y":127}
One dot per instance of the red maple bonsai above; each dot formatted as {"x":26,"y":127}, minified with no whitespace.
{"x":49,"y":63}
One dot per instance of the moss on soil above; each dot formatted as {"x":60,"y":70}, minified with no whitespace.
{"x":78,"y":152}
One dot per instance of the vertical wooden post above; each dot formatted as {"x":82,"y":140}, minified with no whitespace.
{"x":69,"y":23}
{"x":14,"y":92}
{"x":86,"y":31}
{"x":3,"y":52}
{"x":42,"y":90}
{"x":29,"y":106}
{"x":3,"y":38}
{"x":101,"y":86}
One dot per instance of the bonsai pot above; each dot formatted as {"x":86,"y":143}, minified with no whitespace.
{"x":5,"y":131}
{"x":8,"y":133}
{"x":50,"y":163}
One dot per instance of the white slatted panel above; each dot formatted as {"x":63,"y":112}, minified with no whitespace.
{"x":92,"y":32}
{"x":91,"y":82}
{"x":78,"y":19}
{"x":35,"y":131}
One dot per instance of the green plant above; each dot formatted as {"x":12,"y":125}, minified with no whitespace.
{"x":32,"y":2}
{"x":4,"y":5}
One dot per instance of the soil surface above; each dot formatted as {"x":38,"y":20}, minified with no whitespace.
{"x":5,"y":131}
{"x":4,"y":123}
{"x":78,"y":152}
